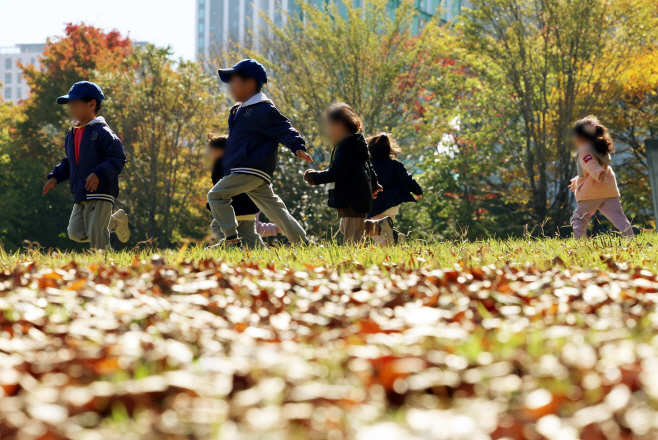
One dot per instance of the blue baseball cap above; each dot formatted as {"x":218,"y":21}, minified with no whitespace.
{"x":82,"y":89}
{"x":249,"y":67}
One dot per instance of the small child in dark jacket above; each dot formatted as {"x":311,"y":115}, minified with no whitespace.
{"x":350,"y":179}
{"x":256,"y":128}
{"x":398,"y":183}
{"x":246,"y":212}
{"x":94,"y":159}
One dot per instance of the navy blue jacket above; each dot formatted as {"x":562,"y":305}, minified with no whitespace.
{"x":398,"y":186}
{"x":242,"y":203}
{"x":352,"y":174}
{"x":255,"y":131}
{"x":101,"y":153}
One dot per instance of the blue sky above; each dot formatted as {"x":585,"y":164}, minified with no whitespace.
{"x":163,"y":22}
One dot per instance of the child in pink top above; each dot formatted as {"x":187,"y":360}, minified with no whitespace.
{"x":596,"y":186}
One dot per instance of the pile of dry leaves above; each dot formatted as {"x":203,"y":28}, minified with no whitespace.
{"x":211,"y":350}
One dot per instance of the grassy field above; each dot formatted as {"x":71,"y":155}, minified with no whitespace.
{"x":519,"y":339}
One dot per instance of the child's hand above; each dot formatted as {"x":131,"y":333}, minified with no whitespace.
{"x":376,"y":190}
{"x":572,"y":185}
{"x":303,"y":155}
{"x":308,"y":177}
{"x":606,"y":173}
{"x":50,"y":184}
{"x":91,"y":183}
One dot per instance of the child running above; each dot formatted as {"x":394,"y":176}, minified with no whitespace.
{"x":94,"y":159}
{"x":596,"y":186}
{"x":398,"y":183}
{"x":256,"y":128}
{"x":350,"y":179}
{"x":250,"y":228}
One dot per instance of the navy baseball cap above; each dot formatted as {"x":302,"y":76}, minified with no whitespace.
{"x":249,"y":67}
{"x":82,"y":89}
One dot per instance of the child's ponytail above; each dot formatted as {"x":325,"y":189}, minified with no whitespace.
{"x":383,"y":147}
{"x":591,"y":129}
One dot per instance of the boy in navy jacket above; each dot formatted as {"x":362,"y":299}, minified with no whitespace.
{"x":256,"y":128}
{"x":94,"y":159}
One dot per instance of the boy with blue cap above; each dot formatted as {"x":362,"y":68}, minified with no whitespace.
{"x":94,"y":159}
{"x":256,"y":128}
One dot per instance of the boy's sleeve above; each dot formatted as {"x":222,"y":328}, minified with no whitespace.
{"x":338,"y":169}
{"x":279,"y":128}
{"x":62,"y":171}
{"x":114,"y":157}
{"x":591,"y":165}
{"x":407,"y":180}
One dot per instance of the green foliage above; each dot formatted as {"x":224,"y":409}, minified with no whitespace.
{"x":368,"y":57}
{"x":163,"y":112}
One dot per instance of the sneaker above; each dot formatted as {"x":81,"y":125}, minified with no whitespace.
{"x":119,"y":225}
{"x":233,"y":242}
{"x":392,"y":235}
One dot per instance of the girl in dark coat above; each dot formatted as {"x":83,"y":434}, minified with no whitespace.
{"x":350,"y":178}
{"x":398,"y":183}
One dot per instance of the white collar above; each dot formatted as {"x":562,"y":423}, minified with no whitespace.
{"x":258,"y":97}
{"x":97,"y":120}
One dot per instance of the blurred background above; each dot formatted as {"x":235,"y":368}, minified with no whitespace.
{"x":479,"y":94}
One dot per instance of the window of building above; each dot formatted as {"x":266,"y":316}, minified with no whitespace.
{"x":201,"y":27}
{"x":202,"y":41}
{"x":19,"y":93}
{"x":32,"y":61}
{"x":202,"y":13}
{"x":7,"y":63}
{"x":7,"y":78}
{"x":18,"y":78}
{"x":7,"y":92}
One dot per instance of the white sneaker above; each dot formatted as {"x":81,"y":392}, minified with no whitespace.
{"x":391,"y":235}
{"x":119,"y":225}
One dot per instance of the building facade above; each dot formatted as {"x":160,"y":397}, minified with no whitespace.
{"x":219,"y":22}
{"x":13,"y":87}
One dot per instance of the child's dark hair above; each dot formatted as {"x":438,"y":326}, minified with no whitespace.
{"x":591,"y":129}
{"x":342,"y":113}
{"x":383,"y":147}
{"x":98,"y":103}
{"x":217,"y":141}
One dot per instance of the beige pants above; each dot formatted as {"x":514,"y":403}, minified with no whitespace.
{"x":261,"y":193}
{"x":355,"y":229}
{"x":610,"y":208}
{"x":89,"y":221}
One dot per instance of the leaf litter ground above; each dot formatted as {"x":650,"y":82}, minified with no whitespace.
{"x":526,"y":339}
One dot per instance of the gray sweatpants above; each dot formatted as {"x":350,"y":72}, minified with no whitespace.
{"x":610,"y":208}
{"x":89,"y":221}
{"x":261,"y":193}
{"x":246,"y":231}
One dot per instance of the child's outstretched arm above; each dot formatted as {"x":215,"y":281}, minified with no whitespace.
{"x":59,"y":174}
{"x":591,"y":165}
{"x":279,"y":128}
{"x":407,"y":180}
{"x":338,"y":170}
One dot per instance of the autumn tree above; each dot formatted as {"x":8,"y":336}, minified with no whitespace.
{"x":83,"y":53}
{"x":164,"y":110}
{"x":539,"y":66}
{"x":375,"y":59}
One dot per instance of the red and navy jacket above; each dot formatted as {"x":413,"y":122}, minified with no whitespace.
{"x":101,"y":152}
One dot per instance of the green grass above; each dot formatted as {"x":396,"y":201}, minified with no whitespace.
{"x":541,"y":252}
